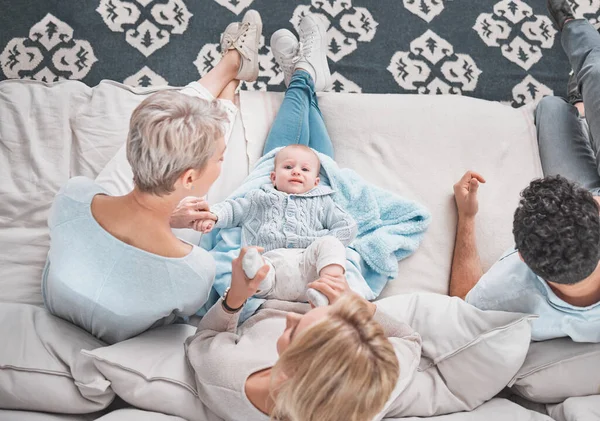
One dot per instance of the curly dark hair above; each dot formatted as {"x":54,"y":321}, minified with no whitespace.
{"x":557,"y":230}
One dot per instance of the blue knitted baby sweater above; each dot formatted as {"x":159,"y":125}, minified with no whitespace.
{"x":273,"y":219}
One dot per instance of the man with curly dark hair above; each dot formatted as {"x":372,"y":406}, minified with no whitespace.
{"x":554,"y":270}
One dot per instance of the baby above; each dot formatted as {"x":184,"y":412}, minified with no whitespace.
{"x":304,"y":233}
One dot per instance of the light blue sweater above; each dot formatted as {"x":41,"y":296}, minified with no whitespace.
{"x":273,"y":219}
{"x":107,"y":287}
{"x":510,"y":285}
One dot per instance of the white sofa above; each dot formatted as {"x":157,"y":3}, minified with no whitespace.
{"x":416,"y":146}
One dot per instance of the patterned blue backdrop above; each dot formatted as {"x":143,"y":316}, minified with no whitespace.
{"x":504,"y":50}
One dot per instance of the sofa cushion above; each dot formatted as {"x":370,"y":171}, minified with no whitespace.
{"x":9,"y":415}
{"x":132,"y":414}
{"x":559,"y":369}
{"x":418,"y":146}
{"x":583,"y":408}
{"x":41,"y":368}
{"x":494,"y":410}
{"x":468,"y":355}
{"x":151,"y":372}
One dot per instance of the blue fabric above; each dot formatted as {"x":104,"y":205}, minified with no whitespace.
{"x":390,"y":228}
{"x":510,"y":285}
{"x":299,"y":119}
{"x":107,"y":287}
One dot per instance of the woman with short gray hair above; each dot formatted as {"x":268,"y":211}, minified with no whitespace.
{"x":115,"y":268}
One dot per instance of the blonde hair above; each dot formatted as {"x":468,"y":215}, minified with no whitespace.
{"x":169,"y":133}
{"x":302,"y":147}
{"x":341,"y":368}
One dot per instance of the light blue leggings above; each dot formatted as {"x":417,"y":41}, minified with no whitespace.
{"x":299,"y":120}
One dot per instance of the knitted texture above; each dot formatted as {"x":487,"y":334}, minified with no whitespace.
{"x":273,"y":219}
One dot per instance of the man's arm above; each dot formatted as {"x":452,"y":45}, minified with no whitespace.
{"x":466,"y":267}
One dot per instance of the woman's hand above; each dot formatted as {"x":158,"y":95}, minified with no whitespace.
{"x":333,"y":287}
{"x":189,"y":210}
{"x":243,"y":287}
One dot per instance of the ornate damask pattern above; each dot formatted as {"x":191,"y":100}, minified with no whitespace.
{"x":148,"y":24}
{"x":505,"y":50}
{"x":49,"y":54}
{"x":432,"y":67}
{"x":519,"y":33}
{"x":425,"y":9}
{"x":588,"y":9}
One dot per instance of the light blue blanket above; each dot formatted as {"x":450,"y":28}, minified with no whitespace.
{"x":390,"y":228}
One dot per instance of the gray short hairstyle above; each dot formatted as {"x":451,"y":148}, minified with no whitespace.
{"x":169,"y":133}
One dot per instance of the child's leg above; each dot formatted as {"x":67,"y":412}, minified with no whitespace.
{"x":291,"y":123}
{"x":287,"y":282}
{"x":299,"y":120}
{"x":267,"y":285}
{"x":326,"y":255}
{"x":318,"y":136}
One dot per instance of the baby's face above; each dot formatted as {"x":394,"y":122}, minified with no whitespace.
{"x":296,"y":171}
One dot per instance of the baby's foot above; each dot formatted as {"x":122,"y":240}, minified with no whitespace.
{"x":251,"y":264}
{"x":318,"y":299}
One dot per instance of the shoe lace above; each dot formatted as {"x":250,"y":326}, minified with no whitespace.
{"x":305,"y":46}
{"x":230,"y":40}
{"x":287,"y":63}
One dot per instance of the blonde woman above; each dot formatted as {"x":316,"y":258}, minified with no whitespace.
{"x":347,"y":361}
{"x":114,"y":267}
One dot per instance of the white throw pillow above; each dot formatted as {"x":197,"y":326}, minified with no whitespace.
{"x":468,"y":355}
{"x":494,"y":410}
{"x":131,"y":414}
{"x":8,"y":415}
{"x":584,"y":408}
{"x":41,"y":368}
{"x":151,"y":372}
{"x":559,"y":369}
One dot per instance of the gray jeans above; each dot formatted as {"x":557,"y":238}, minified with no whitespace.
{"x":570,"y":144}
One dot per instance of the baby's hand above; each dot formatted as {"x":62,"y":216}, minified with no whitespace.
{"x":204,"y":225}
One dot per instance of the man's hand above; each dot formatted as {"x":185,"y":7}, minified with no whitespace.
{"x":189,"y":210}
{"x":465,"y":194}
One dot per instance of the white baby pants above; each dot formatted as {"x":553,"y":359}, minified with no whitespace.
{"x":292,"y":269}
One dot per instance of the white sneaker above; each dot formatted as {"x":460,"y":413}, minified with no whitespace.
{"x":313,"y":50}
{"x":284,"y":46}
{"x":245,"y":38}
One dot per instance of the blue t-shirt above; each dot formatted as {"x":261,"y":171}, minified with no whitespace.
{"x":510,"y":285}
{"x":110,"y":288}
